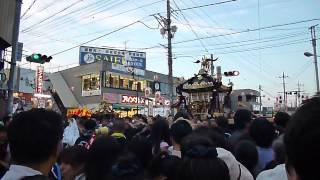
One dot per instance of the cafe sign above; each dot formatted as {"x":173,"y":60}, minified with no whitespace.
{"x":134,"y":59}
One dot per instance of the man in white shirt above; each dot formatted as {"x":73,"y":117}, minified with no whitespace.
{"x":35,"y":140}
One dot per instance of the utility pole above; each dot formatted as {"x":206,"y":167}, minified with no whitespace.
{"x":314,"y":44}
{"x":133,"y":75}
{"x":170,"y":78}
{"x":284,"y":90}
{"x":212,"y":67}
{"x":15,"y":38}
{"x":298,"y":94}
{"x":260,"y":99}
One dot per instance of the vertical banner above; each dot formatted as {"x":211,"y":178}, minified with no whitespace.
{"x":39,"y":80}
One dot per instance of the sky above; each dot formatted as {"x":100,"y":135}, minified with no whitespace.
{"x":261,"y":56}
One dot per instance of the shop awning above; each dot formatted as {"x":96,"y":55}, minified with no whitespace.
{"x":126,"y":106}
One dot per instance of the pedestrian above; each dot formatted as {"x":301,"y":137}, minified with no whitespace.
{"x":71,"y":133}
{"x":141,"y":147}
{"x":200,"y":160}
{"x":86,"y":138}
{"x":164,"y":166}
{"x":160,"y":135}
{"x":103,"y":153}
{"x":216,"y":135}
{"x":127,"y":167}
{"x":263,"y":133}
{"x":281,"y":120}
{"x":242,"y":121}
{"x":118,"y":129}
{"x":223,"y":124}
{"x":35,"y":140}
{"x":4,"y":151}
{"x":247,"y":154}
{"x":72,"y":162}
{"x":302,"y":142}
{"x":178,"y":130}
{"x":236,"y":170}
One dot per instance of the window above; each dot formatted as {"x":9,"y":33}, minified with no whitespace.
{"x":121,"y":83}
{"x":248,"y":98}
{"x":114,"y":80}
{"x":130,"y":84}
{"x":91,"y":85}
{"x":139,"y":86}
{"x":239,"y":98}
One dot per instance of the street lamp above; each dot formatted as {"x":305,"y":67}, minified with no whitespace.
{"x":308,"y":54}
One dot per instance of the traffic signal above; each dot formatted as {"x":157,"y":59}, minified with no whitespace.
{"x":232,"y":73}
{"x":38,"y":58}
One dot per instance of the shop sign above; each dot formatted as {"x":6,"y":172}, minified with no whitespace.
{"x":94,"y":54}
{"x":39,"y":80}
{"x":91,"y":93}
{"x":132,"y":100}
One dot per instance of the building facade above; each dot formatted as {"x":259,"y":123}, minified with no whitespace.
{"x":107,"y":75}
{"x":245,"y":99}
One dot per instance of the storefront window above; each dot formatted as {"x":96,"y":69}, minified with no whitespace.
{"x":122,"y":82}
{"x":91,"y":85}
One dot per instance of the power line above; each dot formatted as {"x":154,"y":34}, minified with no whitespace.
{"x":56,"y":24}
{"x":123,"y":27}
{"x":28,"y":9}
{"x":76,"y":11}
{"x":263,"y":47}
{"x":246,"y":58}
{"x":193,"y":31}
{"x":42,"y":9}
{"x":248,"y":30}
{"x":240,"y":45}
{"x":212,"y":20}
{"x":64,"y":9}
{"x":129,"y":10}
{"x":60,"y":21}
{"x":254,"y":41}
{"x":267,"y":47}
{"x":206,"y":5}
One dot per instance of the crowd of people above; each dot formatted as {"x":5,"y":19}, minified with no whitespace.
{"x":39,"y":145}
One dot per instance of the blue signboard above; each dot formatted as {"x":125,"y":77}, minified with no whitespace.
{"x":119,"y":57}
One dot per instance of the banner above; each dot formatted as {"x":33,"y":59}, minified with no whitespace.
{"x":39,"y":80}
{"x":120,"y":57}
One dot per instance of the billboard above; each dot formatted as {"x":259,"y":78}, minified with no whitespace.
{"x":123,"y":58}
